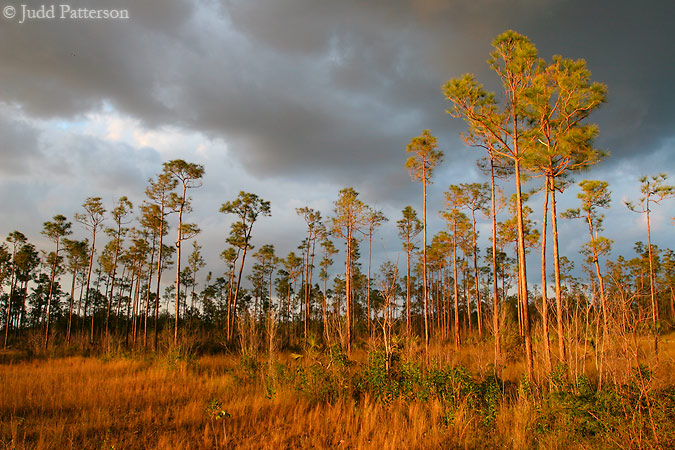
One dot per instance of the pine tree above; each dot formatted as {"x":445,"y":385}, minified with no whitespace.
{"x":55,"y":231}
{"x":421,"y":164}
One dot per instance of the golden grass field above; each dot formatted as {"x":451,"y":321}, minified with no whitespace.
{"x":169,"y":402}
{"x":76,"y":402}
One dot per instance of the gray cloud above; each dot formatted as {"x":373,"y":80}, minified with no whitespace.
{"x":307,"y":93}
{"x":18,"y":145}
{"x":337,"y":86}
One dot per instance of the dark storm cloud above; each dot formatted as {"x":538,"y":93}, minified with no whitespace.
{"x":18,"y":145}
{"x":62,"y":68}
{"x":330,"y":90}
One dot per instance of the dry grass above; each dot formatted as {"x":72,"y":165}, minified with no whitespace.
{"x":163,"y":403}
{"x":89,"y":403}
{"x":77,"y":403}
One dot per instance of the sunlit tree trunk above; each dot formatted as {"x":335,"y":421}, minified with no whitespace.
{"x":522,"y":272}
{"x":544,"y":288}
{"x":495,"y":296}
{"x":556,"y":272}
{"x":424,"y":263}
{"x":455,"y":286}
{"x":479,"y":313}
{"x":655,"y":305}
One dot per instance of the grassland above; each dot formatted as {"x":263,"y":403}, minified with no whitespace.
{"x":321,"y":399}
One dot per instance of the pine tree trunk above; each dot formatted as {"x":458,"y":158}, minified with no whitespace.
{"x":556,"y":271}
{"x":348,"y":277}
{"x":137,"y":297}
{"x":456,"y":286}
{"x":655,"y":306}
{"x":70,"y":307}
{"x":544,"y":298}
{"x":407,"y":290}
{"x":229,"y":295}
{"x":424,"y":266}
{"x":178,"y":248}
{"x":475,"y":273}
{"x":12,"y":283}
{"x":49,"y":296}
{"x":8,"y":312}
{"x":87,"y":298}
{"x":325,"y":307}
{"x":603,"y":302}
{"x":159,"y":274}
{"x":370,"y":245}
{"x":309,"y":281}
{"x":495,"y":295}
{"x":147,"y":294}
{"x":114,"y":272}
{"x":523,"y":275}
{"x":236,"y":290}
{"x":306,"y":288}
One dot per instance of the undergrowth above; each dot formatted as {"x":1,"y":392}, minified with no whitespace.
{"x":630,"y":415}
{"x":321,"y":398}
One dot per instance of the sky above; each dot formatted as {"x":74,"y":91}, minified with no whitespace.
{"x":296,"y":99}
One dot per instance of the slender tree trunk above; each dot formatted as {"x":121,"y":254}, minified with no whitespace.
{"x":325,"y":308}
{"x":91,"y":263}
{"x":601,"y":282}
{"x":114,"y":272}
{"x":456,"y":286}
{"x":309,"y":282}
{"x":236,"y":291}
{"x":108,"y":296}
{"x":147,"y":293}
{"x":70,"y":307}
{"x":407,"y":291}
{"x":12,"y":283}
{"x":523,"y":274}
{"x":603,"y":302}
{"x":516,"y":274}
{"x":348,"y":288}
{"x":79,"y":305}
{"x":288,"y":302}
{"x":475,"y":272}
{"x":446,"y":305}
{"x":305,"y":288}
{"x":23,"y":304}
{"x":672,"y":303}
{"x":655,"y":306}
{"x":556,"y":270}
{"x":424,"y":265}
{"x":137,"y":303}
{"x":269,"y":306}
{"x":438,"y":300}
{"x":49,"y":296}
{"x":370,"y":248}
{"x":93,"y":311}
{"x":159,"y":274}
{"x":134,"y":309}
{"x":8,"y":313}
{"x":178,"y":247}
{"x":192,"y":289}
{"x":129,"y":312}
{"x":120,"y":293}
{"x":465,"y":291}
{"x":229,"y":294}
{"x":495,"y":296}
{"x":544,"y":288}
